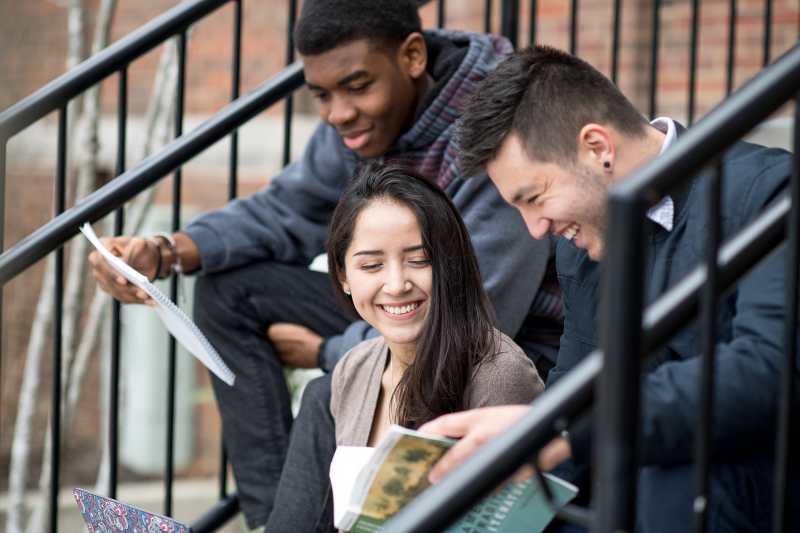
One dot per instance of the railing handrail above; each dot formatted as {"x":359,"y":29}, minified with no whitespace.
{"x":101,"y":65}
{"x":115,"y":193}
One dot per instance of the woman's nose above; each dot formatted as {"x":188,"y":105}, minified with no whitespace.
{"x":397,"y":282}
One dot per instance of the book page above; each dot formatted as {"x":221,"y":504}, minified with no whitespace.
{"x":347,"y":463}
{"x":177,"y":323}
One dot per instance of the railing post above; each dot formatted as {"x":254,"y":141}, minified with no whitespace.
{"x":616,"y":41}
{"x":509,"y":20}
{"x":616,"y":449}
{"x":119,"y":219}
{"x":767,"y":30}
{"x":440,"y":14}
{"x":3,"y":149}
{"x":55,"y":414}
{"x":573,"y":33}
{"x":487,"y":22}
{"x":180,"y":44}
{"x":533,"y":22}
{"x":693,"y":60}
{"x":287,"y":117}
{"x":654,"y":58}
{"x":235,"y":89}
{"x":708,"y":307}
{"x":785,"y":462}
{"x":731,"y":47}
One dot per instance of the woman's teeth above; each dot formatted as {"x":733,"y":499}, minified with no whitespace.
{"x":400,"y":310}
{"x":571,"y":231}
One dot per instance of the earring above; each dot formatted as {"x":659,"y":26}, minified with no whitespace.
{"x":607,"y":164}
{"x":347,"y":292}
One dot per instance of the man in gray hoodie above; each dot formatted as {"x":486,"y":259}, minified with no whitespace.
{"x":386,"y":90}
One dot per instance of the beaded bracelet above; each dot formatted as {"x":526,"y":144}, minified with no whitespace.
{"x":177,"y":266}
{"x":160,"y":257}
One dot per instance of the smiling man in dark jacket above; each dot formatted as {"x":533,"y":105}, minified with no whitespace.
{"x":386,"y":90}
{"x":554,"y":135}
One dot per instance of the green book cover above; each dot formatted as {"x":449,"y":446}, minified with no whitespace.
{"x":370,"y":485}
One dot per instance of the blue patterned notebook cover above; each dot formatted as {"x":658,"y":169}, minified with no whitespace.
{"x":104,"y":515}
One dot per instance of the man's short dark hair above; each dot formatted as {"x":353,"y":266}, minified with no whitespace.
{"x":545,"y":97}
{"x":326,"y":24}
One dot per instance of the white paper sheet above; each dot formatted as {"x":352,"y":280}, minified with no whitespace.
{"x":347,"y":464}
{"x":178,"y":324}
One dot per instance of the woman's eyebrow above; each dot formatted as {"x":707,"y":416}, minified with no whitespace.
{"x":380,"y":252}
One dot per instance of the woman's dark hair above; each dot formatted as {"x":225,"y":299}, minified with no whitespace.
{"x":458,"y":334}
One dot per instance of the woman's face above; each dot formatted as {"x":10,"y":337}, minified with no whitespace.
{"x":388,"y":274}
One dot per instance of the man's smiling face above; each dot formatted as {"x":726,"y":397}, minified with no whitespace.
{"x":569,"y":201}
{"x":369,"y":97}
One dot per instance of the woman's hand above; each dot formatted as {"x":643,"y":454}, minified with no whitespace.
{"x":297,"y":346}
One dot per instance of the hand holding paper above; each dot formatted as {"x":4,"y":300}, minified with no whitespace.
{"x":178,"y":324}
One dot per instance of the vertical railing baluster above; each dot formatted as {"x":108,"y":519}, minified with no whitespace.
{"x":3,"y":149}
{"x":785,"y":463}
{"x":232,"y":186}
{"x":287,"y":117}
{"x":119,"y":218}
{"x":487,"y":21}
{"x":509,"y":20}
{"x":440,"y":15}
{"x":693,"y":59}
{"x":615,"y":44}
{"x":55,"y":413}
{"x":708,"y":315}
{"x":654,"y":58}
{"x":533,"y":22}
{"x":180,"y":44}
{"x":573,"y":35}
{"x":731,"y":47}
{"x":235,"y":88}
{"x":767,"y":30}
{"x":617,"y":429}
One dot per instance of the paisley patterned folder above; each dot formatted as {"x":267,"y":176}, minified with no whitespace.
{"x":104,"y":515}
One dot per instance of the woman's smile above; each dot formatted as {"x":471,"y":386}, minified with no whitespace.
{"x":401,"y":311}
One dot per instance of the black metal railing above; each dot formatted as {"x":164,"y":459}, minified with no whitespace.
{"x":571,"y":396}
{"x":609,"y":378}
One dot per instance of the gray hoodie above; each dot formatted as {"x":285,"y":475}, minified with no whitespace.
{"x":288,"y":220}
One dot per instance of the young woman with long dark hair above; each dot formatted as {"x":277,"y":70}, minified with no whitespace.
{"x":400,"y":258}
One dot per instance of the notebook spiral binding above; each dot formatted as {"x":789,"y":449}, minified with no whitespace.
{"x":156,"y":294}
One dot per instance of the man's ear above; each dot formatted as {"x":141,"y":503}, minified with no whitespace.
{"x":596,"y":147}
{"x":412,"y":56}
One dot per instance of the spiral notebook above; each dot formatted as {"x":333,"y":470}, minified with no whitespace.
{"x":178,"y":324}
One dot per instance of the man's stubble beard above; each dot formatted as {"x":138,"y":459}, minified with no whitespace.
{"x":594,"y":198}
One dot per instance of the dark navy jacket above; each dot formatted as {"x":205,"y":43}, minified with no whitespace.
{"x":749,"y":325}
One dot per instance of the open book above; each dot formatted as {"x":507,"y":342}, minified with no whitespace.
{"x":370,"y":485}
{"x":178,"y":324}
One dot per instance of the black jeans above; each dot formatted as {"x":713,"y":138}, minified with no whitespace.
{"x":234,"y":309}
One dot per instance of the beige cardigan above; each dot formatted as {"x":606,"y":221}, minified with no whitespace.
{"x":510,"y":378}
